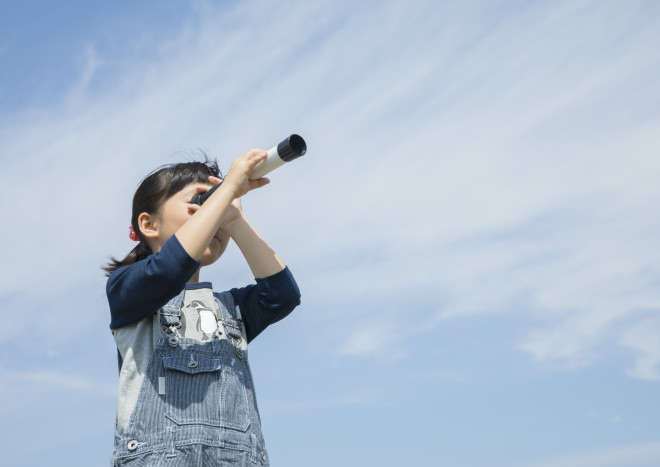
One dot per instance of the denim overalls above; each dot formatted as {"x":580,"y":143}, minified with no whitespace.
{"x":196,"y":405}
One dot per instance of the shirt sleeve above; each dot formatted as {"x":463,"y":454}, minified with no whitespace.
{"x":266,"y":302}
{"x":140,"y":289}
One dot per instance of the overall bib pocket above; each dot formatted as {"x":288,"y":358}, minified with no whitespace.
{"x":198,"y":389}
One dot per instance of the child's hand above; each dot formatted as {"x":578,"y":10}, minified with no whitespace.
{"x":233,"y":212}
{"x":237,"y":179}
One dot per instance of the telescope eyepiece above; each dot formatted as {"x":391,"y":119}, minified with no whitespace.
{"x":199,"y":199}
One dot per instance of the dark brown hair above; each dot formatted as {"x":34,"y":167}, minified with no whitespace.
{"x":159,"y":186}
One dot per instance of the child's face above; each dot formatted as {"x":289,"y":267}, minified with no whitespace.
{"x":176,"y":211}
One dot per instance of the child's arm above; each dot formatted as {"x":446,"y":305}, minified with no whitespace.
{"x":261,"y":258}
{"x":267,"y":301}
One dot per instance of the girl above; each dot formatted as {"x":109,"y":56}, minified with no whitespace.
{"x":186,"y":394}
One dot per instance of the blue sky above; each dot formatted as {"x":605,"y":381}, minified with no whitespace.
{"x":474,"y":227}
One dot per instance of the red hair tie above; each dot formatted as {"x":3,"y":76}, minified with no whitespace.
{"x":132,"y":234}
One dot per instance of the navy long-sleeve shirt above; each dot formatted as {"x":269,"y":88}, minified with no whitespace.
{"x":140,"y":289}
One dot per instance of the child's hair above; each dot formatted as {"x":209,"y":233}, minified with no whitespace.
{"x":159,"y":186}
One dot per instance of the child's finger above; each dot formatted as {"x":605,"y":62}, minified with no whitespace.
{"x":259,"y":182}
{"x":256,"y":157}
{"x":215,"y":180}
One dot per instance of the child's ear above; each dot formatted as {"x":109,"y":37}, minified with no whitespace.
{"x":148,"y":225}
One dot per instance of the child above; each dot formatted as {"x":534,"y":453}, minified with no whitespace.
{"x":186,"y":394}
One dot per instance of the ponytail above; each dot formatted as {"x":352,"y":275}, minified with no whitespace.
{"x":140,"y":252}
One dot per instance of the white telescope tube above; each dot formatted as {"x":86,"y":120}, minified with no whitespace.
{"x":291,"y":148}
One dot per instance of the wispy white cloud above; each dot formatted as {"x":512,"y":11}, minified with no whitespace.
{"x":89,"y":67}
{"x":374,"y":340}
{"x":643,"y":338}
{"x":630,"y":455}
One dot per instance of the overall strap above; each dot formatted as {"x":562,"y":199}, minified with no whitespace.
{"x":229,"y":319}
{"x":226,"y":305}
{"x":170,"y":318}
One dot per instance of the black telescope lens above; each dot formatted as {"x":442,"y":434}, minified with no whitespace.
{"x":291,"y":148}
{"x":298,"y":145}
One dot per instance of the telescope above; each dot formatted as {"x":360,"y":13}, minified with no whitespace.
{"x":291,"y":148}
